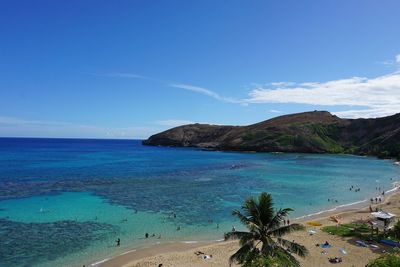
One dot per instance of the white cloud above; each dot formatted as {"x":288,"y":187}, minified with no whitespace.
{"x":392,"y":62}
{"x":367,"y":97}
{"x":275,"y":111}
{"x":387,"y":63}
{"x":277,"y":84}
{"x":204,"y":91}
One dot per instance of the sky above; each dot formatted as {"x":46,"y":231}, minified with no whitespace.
{"x":129,"y":69}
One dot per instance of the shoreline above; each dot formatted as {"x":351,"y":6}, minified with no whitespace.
{"x":348,"y":207}
{"x":131,"y":257}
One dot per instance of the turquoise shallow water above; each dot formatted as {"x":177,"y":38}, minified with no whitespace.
{"x":64,"y":202}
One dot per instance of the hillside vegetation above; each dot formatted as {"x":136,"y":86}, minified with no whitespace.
{"x":308,"y":132}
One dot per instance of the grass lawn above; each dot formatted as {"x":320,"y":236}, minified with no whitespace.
{"x":349,"y":230}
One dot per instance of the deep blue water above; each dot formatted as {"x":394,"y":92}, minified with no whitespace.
{"x":65,"y":201}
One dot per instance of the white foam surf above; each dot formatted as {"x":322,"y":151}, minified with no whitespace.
{"x":100,"y":262}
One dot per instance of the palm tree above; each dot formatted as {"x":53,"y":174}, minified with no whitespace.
{"x":263,"y":244}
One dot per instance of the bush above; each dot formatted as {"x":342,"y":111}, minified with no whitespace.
{"x":396,"y":230}
{"x":387,"y":260}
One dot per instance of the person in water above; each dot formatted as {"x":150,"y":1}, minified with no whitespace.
{"x":118,"y":241}
{"x":146,"y":235}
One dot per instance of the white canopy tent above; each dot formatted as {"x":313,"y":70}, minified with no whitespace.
{"x":384,"y":220}
{"x":383,"y":215}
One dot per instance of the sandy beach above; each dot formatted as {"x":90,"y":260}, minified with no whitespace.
{"x":183,"y":255}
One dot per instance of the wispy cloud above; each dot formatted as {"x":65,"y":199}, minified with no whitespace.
{"x":205,"y":91}
{"x":275,"y":111}
{"x":187,"y":87}
{"x":366,"y":97}
{"x":392,"y":62}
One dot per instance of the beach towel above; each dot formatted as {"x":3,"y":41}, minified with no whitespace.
{"x":313,"y":223}
{"x":361,"y":243}
{"x":344,"y":252}
{"x":335,"y":260}
{"x":390,"y":243}
{"x":325,"y":246}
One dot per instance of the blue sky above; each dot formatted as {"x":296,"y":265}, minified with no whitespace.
{"x":128,"y":69}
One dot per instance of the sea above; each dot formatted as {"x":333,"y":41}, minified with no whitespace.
{"x":65,"y":202}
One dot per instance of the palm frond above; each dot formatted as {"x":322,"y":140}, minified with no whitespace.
{"x":252,"y":212}
{"x":266,"y":207}
{"x":284,"y":258}
{"x":283,"y":230}
{"x":268,"y":246}
{"x":241,"y":255}
{"x":237,"y":235}
{"x":293,"y":247}
{"x":249,"y":222}
{"x":278,"y":218}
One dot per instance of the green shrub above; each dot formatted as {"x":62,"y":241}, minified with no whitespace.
{"x":396,"y":230}
{"x":387,"y":260}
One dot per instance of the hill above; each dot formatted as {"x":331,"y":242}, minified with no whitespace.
{"x":308,"y":132}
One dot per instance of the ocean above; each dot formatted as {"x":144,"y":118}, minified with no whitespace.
{"x":64,"y":202}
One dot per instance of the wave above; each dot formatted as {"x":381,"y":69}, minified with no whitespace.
{"x":100,"y":262}
{"x":126,"y":252}
{"x":190,"y":242}
{"x":332,"y":209}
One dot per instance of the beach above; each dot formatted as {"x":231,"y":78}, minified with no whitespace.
{"x":183,"y":255}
